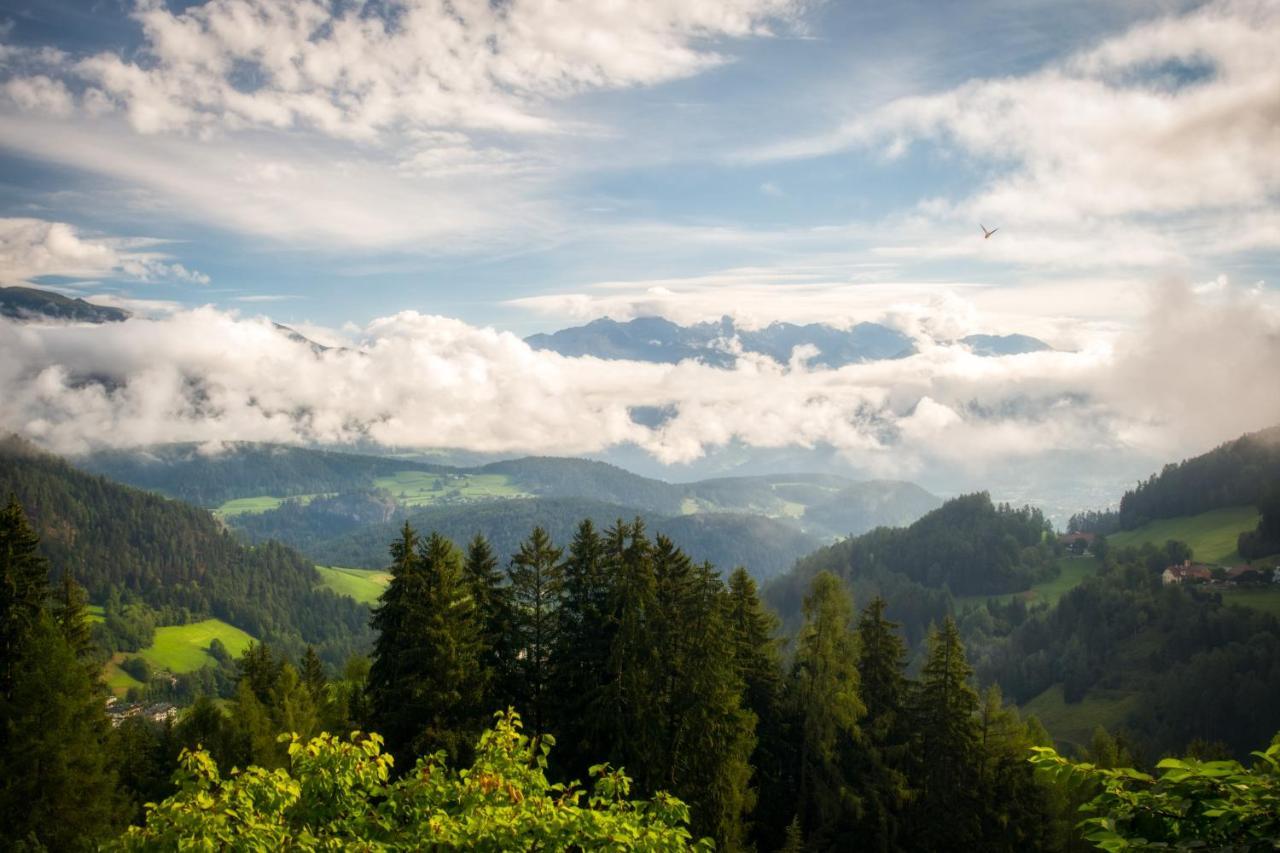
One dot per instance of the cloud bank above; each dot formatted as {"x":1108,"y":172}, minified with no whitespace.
{"x":31,"y":248}
{"x":1197,"y":370}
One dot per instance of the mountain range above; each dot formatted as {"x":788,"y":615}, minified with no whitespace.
{"x":719,"y":343}
{"x":30,"y":303}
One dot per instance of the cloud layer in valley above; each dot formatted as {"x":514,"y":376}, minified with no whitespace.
{"x":1190,"y":374}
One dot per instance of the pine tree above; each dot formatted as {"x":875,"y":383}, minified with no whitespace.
{"x":536,"y":580}
{"x":1015,"y":811}
{"x":492,"y":597}
{"x":631,"y":736}
{"x":71,"y":615}
{"x":826,"y":697}
{"x":423,"y":691}
{"x":946,"y":815}
{"x":313,"y":676}
{"x":24,"y":586}
{"x":57,"y":789}
{"x":880,"y":759}
{"x":579,"y":661}
{"x":757,"y":658}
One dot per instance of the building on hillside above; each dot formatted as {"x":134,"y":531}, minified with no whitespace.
{"x":1188,"y":572}
{"x":1078,"y":542}
{"x":1248,"y":574}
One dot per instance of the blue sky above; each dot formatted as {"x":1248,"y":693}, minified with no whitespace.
{"x":642,"y":170}
{"x":422,"y":182}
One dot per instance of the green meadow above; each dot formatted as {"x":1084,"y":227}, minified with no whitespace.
{"x":1267,"y":600}
{"x":1071,"y":572}
{"x":422,"y":488}
{"x":1212,"y":535}
{"x":364,"y":585}
{"x":178,"y":648}
{"x":1074,"y":723}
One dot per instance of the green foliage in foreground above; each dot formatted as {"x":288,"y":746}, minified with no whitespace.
{"x":1217,"y":805}
{"x":336,"y":795}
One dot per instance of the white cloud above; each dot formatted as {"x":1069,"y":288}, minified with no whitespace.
{"x":1190,"y":374}
{"x":357,"y":72}
{"x":1156,"y":146}
{"x":31,"y":248}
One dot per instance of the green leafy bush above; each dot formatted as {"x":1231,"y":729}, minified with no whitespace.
{"x":1216,"y":805}
{"x":337,"y":795}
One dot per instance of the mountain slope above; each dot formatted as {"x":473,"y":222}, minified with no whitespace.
{"x":659,"y":340}
{"x":1234,"y":474}
{"x":30,"y":303}
{"x":113,"y":538}
{"x":765,"y":546}
{"x":243,"y":469}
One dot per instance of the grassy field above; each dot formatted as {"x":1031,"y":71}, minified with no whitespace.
{"x":95,"y":613}
{"x":1071,"y":571}
{"x":1267,"y":600}
{"x":262,"y":503}
{"x":422,"y":488}
{"x":177,"y":648}
{"x":1211,"y":535}
{"x":1074,"y":723}
{"x":364,"y":585}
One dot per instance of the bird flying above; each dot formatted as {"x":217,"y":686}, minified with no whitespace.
{"x":986,"y":235}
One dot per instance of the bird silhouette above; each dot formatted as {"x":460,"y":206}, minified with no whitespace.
{"x":986,"y":235}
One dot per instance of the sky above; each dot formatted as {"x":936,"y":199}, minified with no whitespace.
{"x":426,"y":182}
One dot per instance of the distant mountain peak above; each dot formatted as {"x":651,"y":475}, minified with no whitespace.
{"x":32,"y":303}
{"x":997,"y":345}
{"x":657,"y":339}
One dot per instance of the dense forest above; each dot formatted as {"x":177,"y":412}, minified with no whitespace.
{"x":1237,"y":473}
{"x":633,"y":667}
{"x":127,"y":546}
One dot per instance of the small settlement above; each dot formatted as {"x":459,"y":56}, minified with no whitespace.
{"x":1190,"y":572}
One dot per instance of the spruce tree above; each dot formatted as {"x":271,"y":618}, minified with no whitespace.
{"x":313,"y":676}
{"x":881,"y":755}
{"x":632,"y":737}
{"x":423,"y":692}
{"x":757,"y":656}
{"x":57,"y":789}
{"x":24,"y":586}
{"x":536,"y":580}
{"x":492,"y":597}
{"x":946,"y":814}
{"x":579,"y":661}
{"x":71,"y":615}
{"x":828,"y":705}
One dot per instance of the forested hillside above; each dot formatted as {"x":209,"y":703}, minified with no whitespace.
{"x":211,"y":476}
{"x":765,"y":546}
{"x":822,"y":504}
{"x":1237,"y":473}
{"x":968,"y":546}
{"x":121,"y":543}
{"x":1192,"y":667}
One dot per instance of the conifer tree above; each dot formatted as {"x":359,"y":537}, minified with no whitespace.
{"x":631,"y":736}
{"x":71,"y":615}
{"x":57,"y":789}
{"x":536,"y":581}
{"x":492,"y":597}
{"x":24,"y":584}
{"x":313,"y":676}
{"x":946,"y":814}
{"x":880,"y":760}
{"x":579,"y":661}
{"x":828,"y":705}
{"x":758,"y":661}
{"x":423,"y":691}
